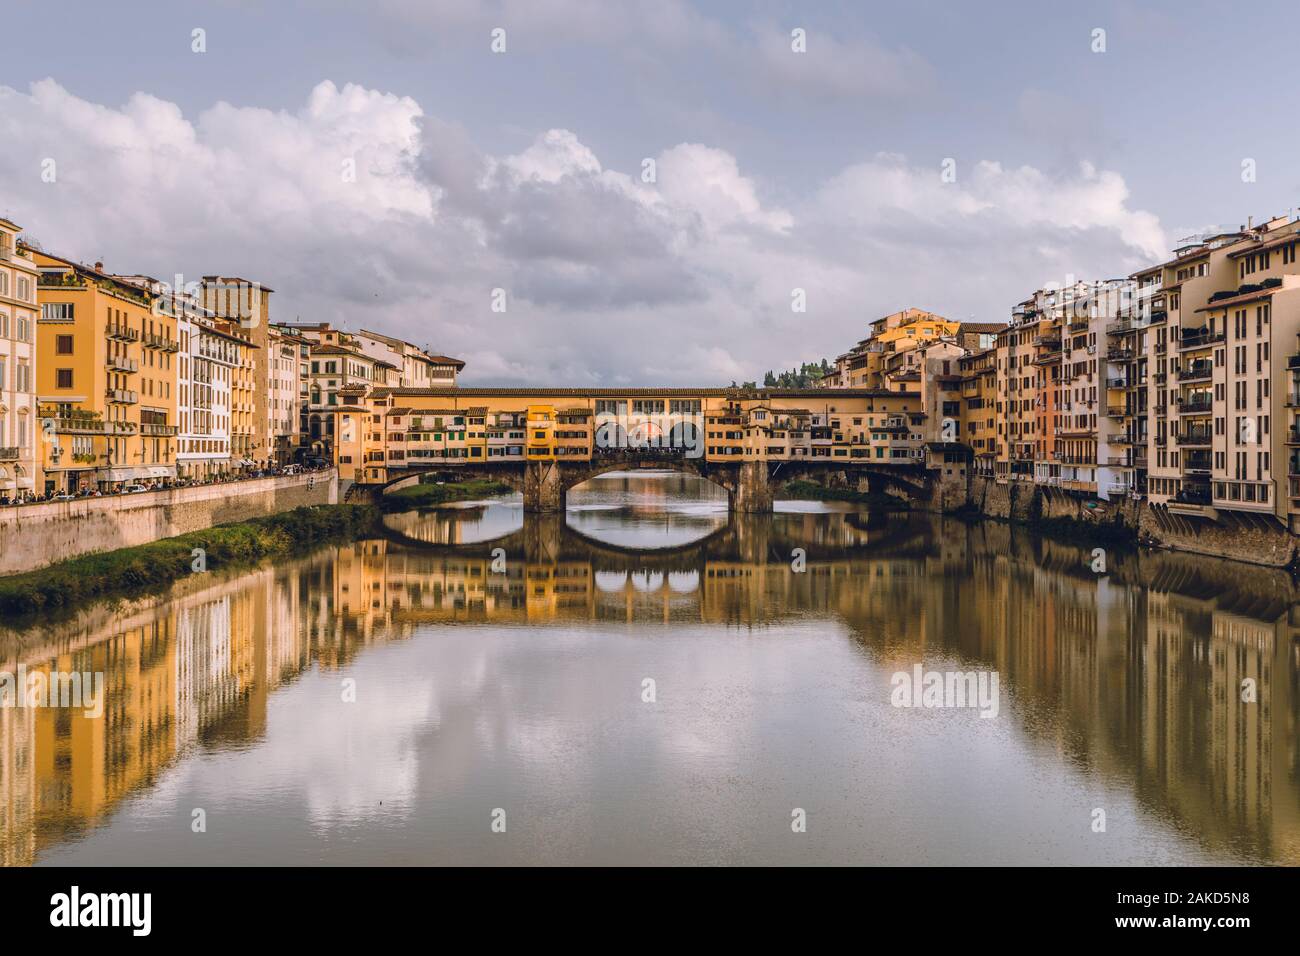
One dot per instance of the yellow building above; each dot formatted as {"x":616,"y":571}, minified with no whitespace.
{"x":106,"y":383}
{"x":540,"y":428}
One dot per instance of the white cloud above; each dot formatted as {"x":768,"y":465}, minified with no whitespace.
{"x":610,"y":279}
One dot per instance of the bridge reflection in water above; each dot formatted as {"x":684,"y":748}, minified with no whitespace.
{"x":1127,"y":682}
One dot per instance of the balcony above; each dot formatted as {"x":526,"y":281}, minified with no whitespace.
{"x":60,"y":280}
{"x":1293,"y":435}
{"x":157,"y":430}
{"x":1193,"y":436}
{"x":9,"y":453}
{"x":119,"y":428}
{"x":1116,"y":411}
{"x":122,"y":396}
{"x":1119,"y":355}
{"x":1196,"y":463}
{"x":1200,"y":340}
{"x":118,"y":363}
{"x":1293,"y":361}
{"x":161,"y":342}
{"x":1119,"y":328}
{"x":1195,"y":372}
{"x":121,"y":333}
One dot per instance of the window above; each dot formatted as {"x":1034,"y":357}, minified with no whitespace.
{"x":63,"y":345}
{"x":63,"y":378}
{"x":57,"y":310}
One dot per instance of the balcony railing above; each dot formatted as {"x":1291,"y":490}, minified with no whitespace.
{"x":1200,"y":340}
{"x":120,"y":364}
{"x":1116,"y":411}
{"x":1194,"y":372}
{"x":153,"y":341}
{"x":1194,"y":406}
{"x":157,"y":430}
{"x":122,"y":396}
{"x":9,"y":453}
{"x":1193,"y":436}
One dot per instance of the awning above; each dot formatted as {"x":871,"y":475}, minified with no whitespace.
{"x":8,"y":485}
{"x":123,"y":474}
{"x":26,"y":482}
{"x":160,"y":471}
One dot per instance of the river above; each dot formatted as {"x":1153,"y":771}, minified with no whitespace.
{"x":648,"y":680}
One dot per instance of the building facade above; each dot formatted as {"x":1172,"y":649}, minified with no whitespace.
{"x":19,"y":459}
{"x":106,"y":387}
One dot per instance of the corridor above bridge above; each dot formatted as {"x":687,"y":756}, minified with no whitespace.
{"x":393,"y":430}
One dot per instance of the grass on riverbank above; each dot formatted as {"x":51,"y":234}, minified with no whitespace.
{"x":427,"y":495}
{"x":160,"y":563}
{"x":802,"y":490}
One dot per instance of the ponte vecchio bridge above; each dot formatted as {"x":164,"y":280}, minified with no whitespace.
{"x":544,"y":441}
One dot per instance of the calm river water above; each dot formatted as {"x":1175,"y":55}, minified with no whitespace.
{"x":647,"y":681}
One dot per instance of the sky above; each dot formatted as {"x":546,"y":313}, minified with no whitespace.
{"x":639,"y":193}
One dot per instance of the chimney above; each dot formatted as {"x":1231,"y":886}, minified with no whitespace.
{"x":99,"y":266}
{"x":1250,"y":222}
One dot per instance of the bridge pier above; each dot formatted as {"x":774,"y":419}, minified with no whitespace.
{"x":753,"y":491}
{"x":544,"y":490}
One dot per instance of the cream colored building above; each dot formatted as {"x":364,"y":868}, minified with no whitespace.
{"x":19,"y":462}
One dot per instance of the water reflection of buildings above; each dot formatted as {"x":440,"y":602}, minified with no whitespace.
{"x":1134,"y":675}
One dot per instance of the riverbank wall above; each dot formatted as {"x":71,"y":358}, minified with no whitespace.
{"x":1250,"y":538}
{"x":36,"y":536}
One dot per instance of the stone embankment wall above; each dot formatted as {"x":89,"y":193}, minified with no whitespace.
{"x":1241,"y":537}
{"x":33,"y":536}
{"x":1254,"y":539}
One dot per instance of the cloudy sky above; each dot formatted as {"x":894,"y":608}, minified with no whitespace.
{"x":648,"y":182}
